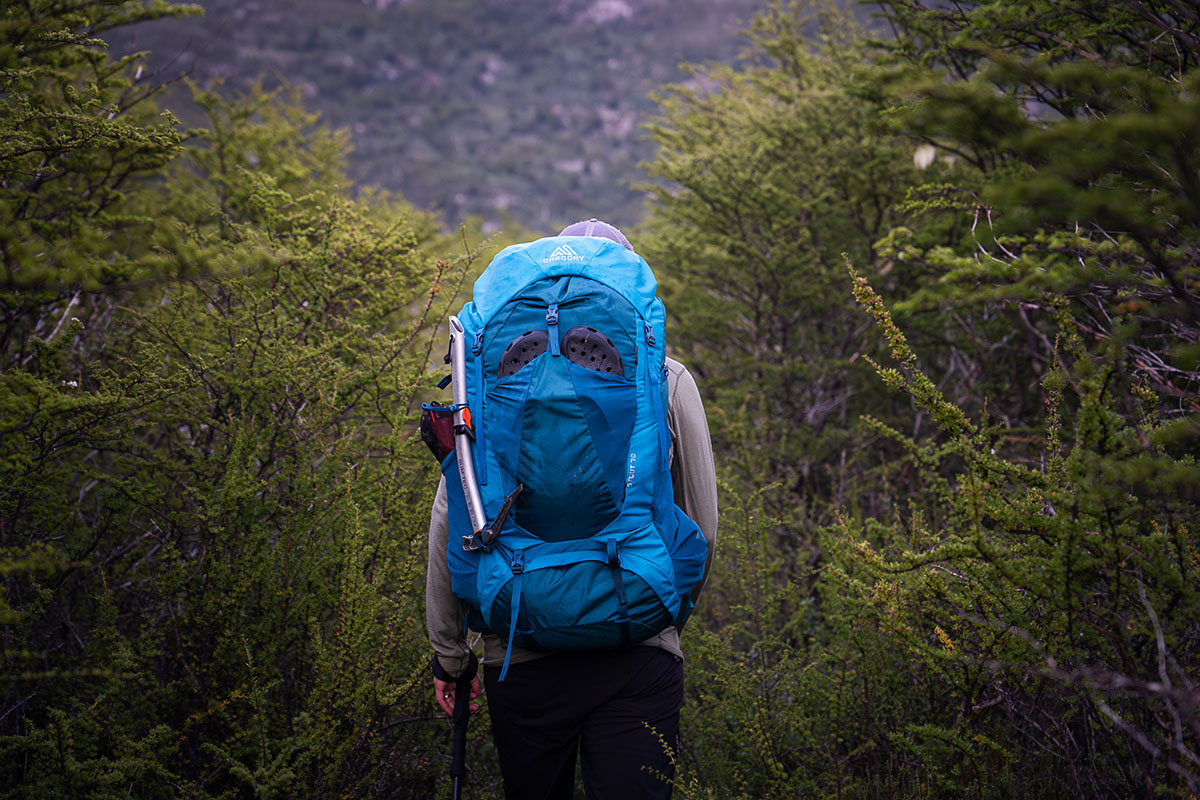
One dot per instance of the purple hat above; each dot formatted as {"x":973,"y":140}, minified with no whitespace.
{"x":594,"y":227}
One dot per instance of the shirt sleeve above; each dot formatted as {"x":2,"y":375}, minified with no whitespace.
{"x":693,"y":472}
{"x":445,"y":617}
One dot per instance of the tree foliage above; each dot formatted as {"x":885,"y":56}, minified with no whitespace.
{"x":211,"y":518}
{"x":767,"y":175}
{"x":1004,"y":603}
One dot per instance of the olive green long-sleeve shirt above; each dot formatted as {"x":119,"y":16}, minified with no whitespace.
{"x":694,"y":477}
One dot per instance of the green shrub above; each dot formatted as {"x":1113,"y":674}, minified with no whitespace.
{"x":213,"y":506}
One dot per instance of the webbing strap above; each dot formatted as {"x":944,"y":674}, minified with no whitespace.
{"x":566,"y":559}
{"x":614,"y":561}
{"x":512,"y":623}
{"x":515,"y":603}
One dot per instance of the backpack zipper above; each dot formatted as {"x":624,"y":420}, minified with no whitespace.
{"x":552,"y":328}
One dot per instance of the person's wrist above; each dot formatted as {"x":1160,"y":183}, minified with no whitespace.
{"x":467,"y":666}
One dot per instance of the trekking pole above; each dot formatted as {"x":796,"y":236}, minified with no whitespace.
{"x":464,"y":429}
{"x":482,"y":534}
{"x":462,"y":711}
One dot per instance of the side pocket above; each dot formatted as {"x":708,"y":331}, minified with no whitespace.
{"x":689,"y":552}
{"x":609,"y":406}
{"x":505,"y":409}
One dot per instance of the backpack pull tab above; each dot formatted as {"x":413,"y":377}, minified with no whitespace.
{"x":477,"y":348}
{"x":649,"y":334}
{"x":552,"y":327}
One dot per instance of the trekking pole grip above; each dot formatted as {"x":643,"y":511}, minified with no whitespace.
{"x":465,"y":676}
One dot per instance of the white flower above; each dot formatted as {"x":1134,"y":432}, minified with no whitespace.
{"x":924,"y":155}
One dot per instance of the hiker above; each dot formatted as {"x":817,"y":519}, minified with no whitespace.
{"x":618,"y":707}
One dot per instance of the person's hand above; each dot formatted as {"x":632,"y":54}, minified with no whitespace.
{"x":443,"y":692}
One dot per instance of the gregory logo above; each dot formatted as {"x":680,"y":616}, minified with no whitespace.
{"x":564,"y":252}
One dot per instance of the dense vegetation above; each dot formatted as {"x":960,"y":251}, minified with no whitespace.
{"x":960,"y":553}
{"x":212,"y":514}
{"x":939,"y":291}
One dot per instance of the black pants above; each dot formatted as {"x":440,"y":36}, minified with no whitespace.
{"x":618,"y":709}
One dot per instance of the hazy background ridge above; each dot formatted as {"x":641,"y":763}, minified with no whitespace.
{"x":526,"y":109}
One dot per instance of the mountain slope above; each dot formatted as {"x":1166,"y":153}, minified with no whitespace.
{"x":530,"y":109}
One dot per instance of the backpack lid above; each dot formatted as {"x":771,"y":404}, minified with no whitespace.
{"x":601,"y":260}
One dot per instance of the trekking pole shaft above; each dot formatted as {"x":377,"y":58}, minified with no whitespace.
{"x":462,"y":709}
{"x":464,"y":446}
{"x":460,"y":715}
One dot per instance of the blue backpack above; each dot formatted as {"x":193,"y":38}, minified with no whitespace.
{"x":567,"y":394}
